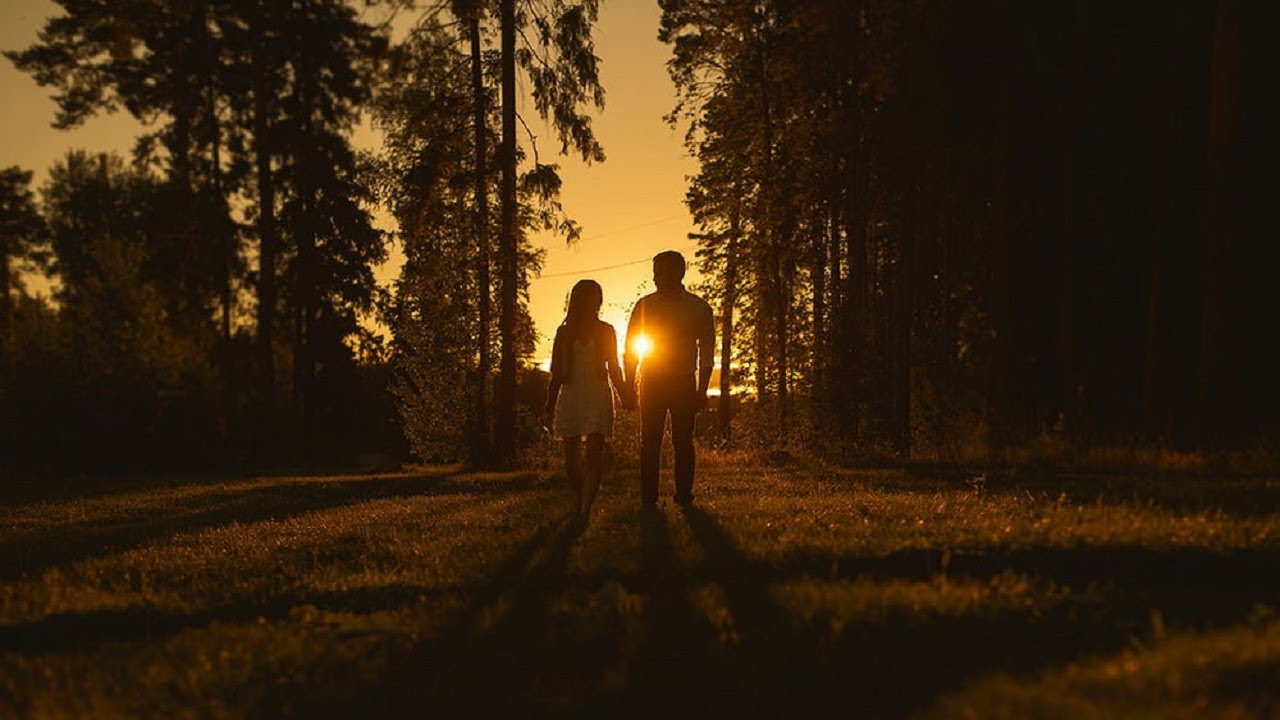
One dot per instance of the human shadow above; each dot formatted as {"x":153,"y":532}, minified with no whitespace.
{"x":29,"y":555}
{"x":767,"y":651}
{"x":74,"y":630}
{"x":496,"y":656}
{"x":671,"y":671}
{"x":476,"y":666}
{"x":882,"y":665}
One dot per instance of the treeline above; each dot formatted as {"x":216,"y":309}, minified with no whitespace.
{"x":212,"y":293}
{"x":929,"y":227}
{"x":941,"y":229}
{"x":208,"y":291}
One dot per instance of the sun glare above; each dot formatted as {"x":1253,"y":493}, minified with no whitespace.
{"x":641,"y":346}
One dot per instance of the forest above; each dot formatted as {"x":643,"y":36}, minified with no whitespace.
{"x":930,"y":230}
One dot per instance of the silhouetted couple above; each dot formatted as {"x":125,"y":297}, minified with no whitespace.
{"x":666,"y":369}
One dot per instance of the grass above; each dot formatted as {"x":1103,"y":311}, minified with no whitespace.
{"x":798,"y":590}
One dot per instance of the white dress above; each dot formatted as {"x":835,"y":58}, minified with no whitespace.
{"x":585,"y":405}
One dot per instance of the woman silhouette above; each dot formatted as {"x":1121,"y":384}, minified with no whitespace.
{"x":585,"y":374}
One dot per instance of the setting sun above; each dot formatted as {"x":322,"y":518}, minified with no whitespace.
{"x":641,"y":346}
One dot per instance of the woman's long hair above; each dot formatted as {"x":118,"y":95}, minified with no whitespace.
{"x":584,"y":309}
{"x":582,"y":320}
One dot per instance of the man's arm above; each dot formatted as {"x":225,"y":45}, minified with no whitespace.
{"x":629,"y":360}
{"x":706,"y":349}
{"x":615,"y":371}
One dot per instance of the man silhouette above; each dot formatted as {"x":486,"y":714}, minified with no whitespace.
{"x":671,"y":337}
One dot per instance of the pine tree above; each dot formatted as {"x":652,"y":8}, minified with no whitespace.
{"x":562,"y":68}
{"x":21,"y":248}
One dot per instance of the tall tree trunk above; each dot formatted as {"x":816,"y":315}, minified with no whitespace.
{"x":1212,"y":382}
{"x":300,"y":231}
{"x":267,"y":244}
{"x":903,"y":296}
{"x":856,"y":331}
{"x":725,"y":414}
{"x":215,"y":191}
{"x":1152,"y":423}
{"x":818,"y":276}
{"x":505,"y":434}
{"x":760,"y":325}
{"x":1067,"y":240}
{"x":480,"y":446}
{"x":304,"y":346}
{"x":304,"y":356}
{"x":187,"y":234}
{"x":1002,"y":385}
{"x":836,"y":284}
{"x":776,"y":305}
{"x":781,"y":331}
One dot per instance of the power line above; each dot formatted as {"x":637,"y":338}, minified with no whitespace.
{"x":602,"y":268}
{"x":607,"y":233}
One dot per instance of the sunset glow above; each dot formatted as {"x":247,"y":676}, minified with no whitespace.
{"x":641,"y":346}
{"x":909,"y":359}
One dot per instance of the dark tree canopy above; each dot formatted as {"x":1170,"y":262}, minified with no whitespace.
{"x":959,"y":229}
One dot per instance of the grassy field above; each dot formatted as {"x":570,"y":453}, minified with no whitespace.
{"x":788,"y":591}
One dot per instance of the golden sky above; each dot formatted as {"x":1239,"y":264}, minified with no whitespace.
{"x":630,"y":207}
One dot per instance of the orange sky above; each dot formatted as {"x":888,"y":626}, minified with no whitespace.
{"x":631,"y":206}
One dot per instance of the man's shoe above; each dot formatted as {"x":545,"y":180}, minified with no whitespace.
{"x":684,"y":501}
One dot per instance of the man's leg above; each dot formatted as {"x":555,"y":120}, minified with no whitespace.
{"x":653,"y":418}
{"x":683,"y":412}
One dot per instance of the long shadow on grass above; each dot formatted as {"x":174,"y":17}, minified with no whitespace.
{"x":1235,"y":495}
{"x":467,"y":654}
{"x":475,"y":667}
{"x":766,"y":651}
{"x":81,"y":630}
{"x":65,"y":545}
{"x":896,"y":664}
{"x":1192,"y":585}
{"x":84,"y":629}
{"x":671,"y":671}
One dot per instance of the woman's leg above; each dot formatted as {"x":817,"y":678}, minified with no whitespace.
{"x":594,"y":470}
{"x":573,"y":467}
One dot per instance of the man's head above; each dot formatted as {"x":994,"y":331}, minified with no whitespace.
{"x":668,"y":271}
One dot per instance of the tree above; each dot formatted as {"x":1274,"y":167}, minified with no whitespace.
{"x":127,"y":388}
{"x":473,"y":12}
{"x":21,"y":247}
{"x":308,"y":67}
{"x":440,"y":159}
{"x":331,"y":60}
{"x":562,"y":67}
{"x":508,"y":270}
{"x":958,"y":226}
{"x":162,"y":62}
{"x":425,"y":178}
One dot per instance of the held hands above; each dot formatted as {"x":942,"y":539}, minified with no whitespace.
{"x":627,"y":393}
{"x":549,"y":417}
{"x":700,"y":401}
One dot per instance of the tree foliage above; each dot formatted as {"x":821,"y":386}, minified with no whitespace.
{"x":947,"y":228}
{"x":249,"y":108}
{"x":429,"y":178}
{"x":22,"y":241}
